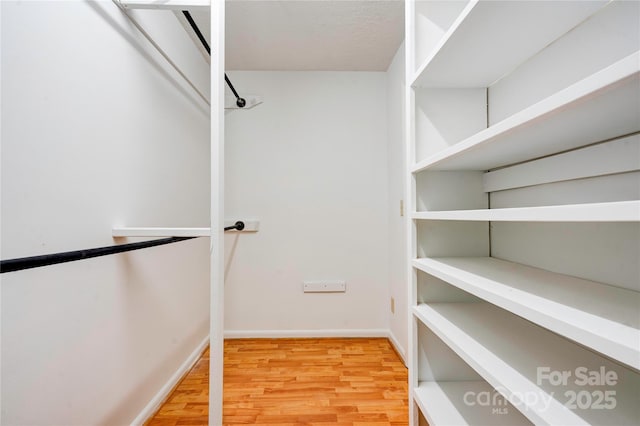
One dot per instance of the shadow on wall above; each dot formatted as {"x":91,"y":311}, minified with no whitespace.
{"x":230,"y":254}
{"x":141,"y":298}
{"x":136,"y":44}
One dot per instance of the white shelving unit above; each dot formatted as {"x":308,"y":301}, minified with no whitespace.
{"x":471,"y":52}
{"x":620,"y":211}
{"x":506,"y":351}
{"x":523,"y":153}
{"x":558,"y":123}
{"x":599,"y":316}
{"x":447,"y":400}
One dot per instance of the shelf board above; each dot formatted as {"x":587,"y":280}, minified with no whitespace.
{"x":161,"y":232}
{"x":622,"y":154}
{"x":490,"y":39}
{"x":443,"y":403}
{"x":191,"y":5}
{"x":619,"y":211}
{"x":561,"y":122}
{"x":250,"y":226}
{"x":599,"y":316}
{"x":509,"y":353}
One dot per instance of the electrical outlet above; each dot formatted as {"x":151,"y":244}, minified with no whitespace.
{"x":393,"y":305}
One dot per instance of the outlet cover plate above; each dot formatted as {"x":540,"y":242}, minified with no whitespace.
{"x":324,"y":286}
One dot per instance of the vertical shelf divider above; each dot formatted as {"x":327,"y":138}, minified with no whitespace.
{"x":216,"y":313}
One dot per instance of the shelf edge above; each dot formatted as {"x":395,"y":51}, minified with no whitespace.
{"x":617,"y":211}
{"x":620,"y":70}
{"x":462,"y":344}
{"x":160,"y":232}
{"x":166,"y":4}
{"x":621,"y":350}
{"x":464,"y":14}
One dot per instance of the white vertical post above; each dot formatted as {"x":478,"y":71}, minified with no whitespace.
{"x":0,"y":285}
{"x":216,"y":314}
{"x":410,"y":197}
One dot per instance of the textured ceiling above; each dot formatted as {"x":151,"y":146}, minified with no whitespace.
{"x":322,"y":35}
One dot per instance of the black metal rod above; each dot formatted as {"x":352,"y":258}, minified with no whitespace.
{"x":18,"y":264}
{"x":196,"y":30}
{"x":239,"y":101}
{"x":239,"y":226}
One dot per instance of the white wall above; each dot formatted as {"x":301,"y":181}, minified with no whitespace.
{"x":309,"y":163}
{"x":97,"y":131}
{"x":397,"y":248}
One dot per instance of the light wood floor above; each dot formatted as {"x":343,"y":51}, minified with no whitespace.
{"x":341,"y":382}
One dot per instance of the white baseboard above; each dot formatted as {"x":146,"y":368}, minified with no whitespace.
{"x":277,"y":334}
{"x":398,"y":347}
{"x":153,"y":405}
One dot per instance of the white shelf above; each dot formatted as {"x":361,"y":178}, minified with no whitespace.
{"x":560,"y":122}
{"x":599,"y":316}
{"x":491,"y":38}
{"x":619,"y":211}
{"x":161,"y":232}
{"x":192,"y":5}
{"x":508,"y":351}
{"x":484,"y":60}
{"x":250,"y":225}
{"x":443,"y":403}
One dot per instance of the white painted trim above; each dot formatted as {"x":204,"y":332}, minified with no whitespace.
{"x":414,"y":80}
{"x":155,"y":403}
{"x":470,"y":330}
{"x":410,"y":202}
{"x":217,"y":263}
{"x":166,"y":4}
{"x":1,"y":364}
{"x":301,"y":334}
{"x":453,"y":61}
{"x":617,"y":156}
{"x":125,"y":231}
{"x":595,"y":315}
{"x":616,"y":211}
{"x":497,"y":145}
{"x":438,"y":402}
{"x":160,"y":232}
{"x":150,"y":39}
{"x":398,"y":347}
{"x":279,"y":334}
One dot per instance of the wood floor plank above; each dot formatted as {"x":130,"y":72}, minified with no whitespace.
{"x":339,"y":382}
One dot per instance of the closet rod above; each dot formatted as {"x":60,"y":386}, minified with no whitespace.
{"x":240,"y":102}
{"x":160,"y":51}
{"x":12,"y":265}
